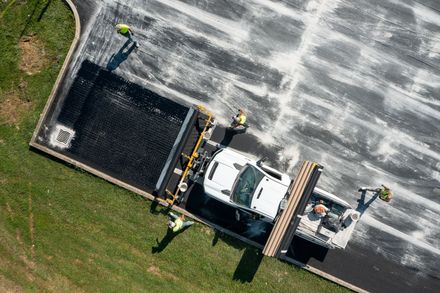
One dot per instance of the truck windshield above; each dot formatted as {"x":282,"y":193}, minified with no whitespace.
{"x":245,"y":185}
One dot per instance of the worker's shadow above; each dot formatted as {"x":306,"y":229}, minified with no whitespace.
{"x":166,"y":240}
{"x":157,"y":208}
{"x":248,"y":266}
{"x":362,"y":205}
{"x":121,"y":55}
{"x":249,"y":262}
{"x":229,"y":135}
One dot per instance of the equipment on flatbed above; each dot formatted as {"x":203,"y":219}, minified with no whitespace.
{"x":195,"y":160}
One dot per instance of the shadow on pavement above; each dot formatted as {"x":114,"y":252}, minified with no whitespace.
{"x":121,"y":55}
{"x":303,"y":250}
{"x":223,"y":215}
{"x":362,"y":205}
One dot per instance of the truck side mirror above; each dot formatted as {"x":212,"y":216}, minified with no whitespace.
{"x":261,"y":161}
{"x":283,"y":204}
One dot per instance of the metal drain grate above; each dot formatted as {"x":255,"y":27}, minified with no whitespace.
{"x":63,"y":137}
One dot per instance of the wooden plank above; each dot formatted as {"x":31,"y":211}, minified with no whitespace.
{"x":292,"y":225}
{"x":277,"y":232}
{"x":297,"y":190}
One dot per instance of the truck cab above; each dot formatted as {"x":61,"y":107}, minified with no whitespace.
{"x":260,"y":191}
{"x":246,"y":184}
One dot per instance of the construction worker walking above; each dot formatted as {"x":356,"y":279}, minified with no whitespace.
{"x":384,"y":192}
{"x":126,"y":30}
{"x":177,"y":223}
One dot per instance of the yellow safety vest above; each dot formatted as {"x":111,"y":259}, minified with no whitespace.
{"x":123,"y":28}
{"x":179,"y":224}
{"x":385,"y":195}
{"x":241,"y":119}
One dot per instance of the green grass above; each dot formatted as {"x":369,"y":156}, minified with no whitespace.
{"x":62,"y":229}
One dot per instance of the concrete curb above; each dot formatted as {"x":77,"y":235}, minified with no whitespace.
{"x":142,"y":193}
{"x":62,"y":71}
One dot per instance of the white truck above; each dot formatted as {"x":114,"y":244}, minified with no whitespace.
{"x":260,"y":191}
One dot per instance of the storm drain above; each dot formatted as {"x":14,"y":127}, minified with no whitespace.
{"x":64,"y":137}
{"x":61,"y":136}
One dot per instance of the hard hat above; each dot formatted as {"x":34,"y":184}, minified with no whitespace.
{"x":171,"y":224}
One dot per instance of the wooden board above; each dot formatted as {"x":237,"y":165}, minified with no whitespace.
{"x":285,"y":226}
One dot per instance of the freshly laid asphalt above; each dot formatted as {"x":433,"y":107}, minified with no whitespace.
{"x":354,"y":86}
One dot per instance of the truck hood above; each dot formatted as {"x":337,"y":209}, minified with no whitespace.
{"x":221,"y":173}
{"x":223,"y":176}
{"x":268,"y":195}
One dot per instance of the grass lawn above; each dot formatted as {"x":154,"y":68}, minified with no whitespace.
{"x":62,"y":229}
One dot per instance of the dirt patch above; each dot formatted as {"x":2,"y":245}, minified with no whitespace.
{"x":60,"y":283}
{"x":33,"y":55}
{"x":9,"y":209}
{"x":157,"y":272}
{"x":207,"y":230}
{"x":30,"y":265}
{"x":9,"y":286}
{"x":13,"y":105}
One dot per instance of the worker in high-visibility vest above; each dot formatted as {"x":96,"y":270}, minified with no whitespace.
{"x":384,"y":192}
{"x":123,"y":28}
{"x":177,"y":223}
{"x":126,"y":30}
{"x":239,"y":119}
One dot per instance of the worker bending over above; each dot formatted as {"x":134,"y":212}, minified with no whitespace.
{"x":320,"y":209}
{"x":384,"y":192}
{"x":177,"y":223}
{"x":239,"y":120}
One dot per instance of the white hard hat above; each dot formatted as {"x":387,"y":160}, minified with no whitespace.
{"x":171,"y":224}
